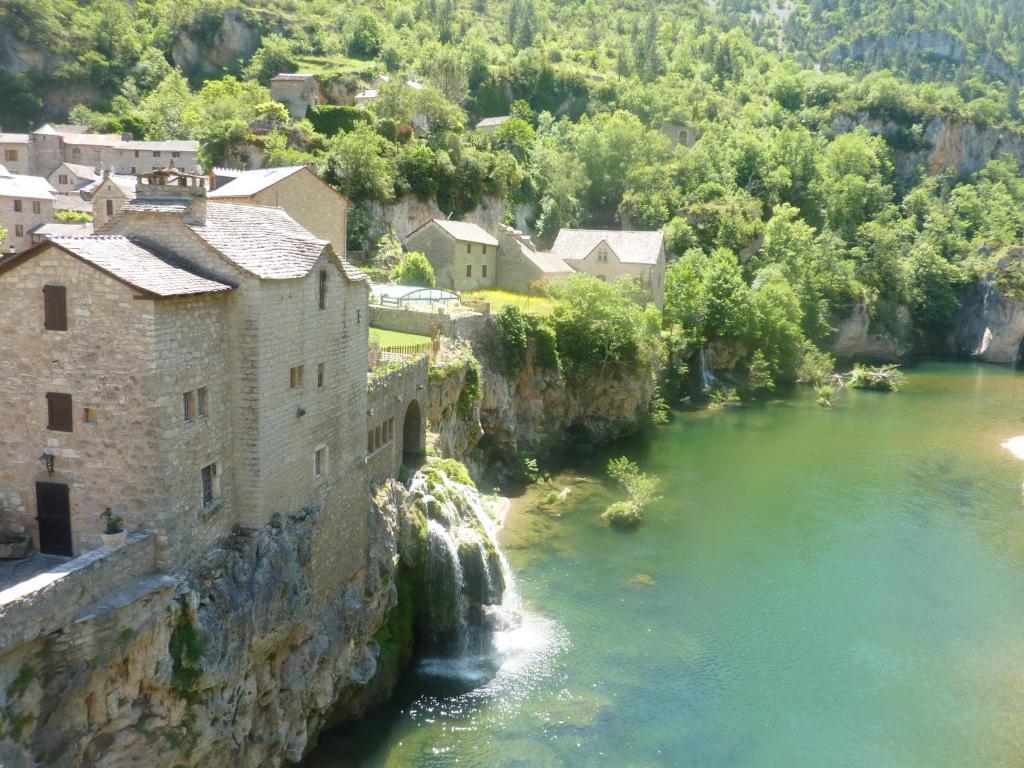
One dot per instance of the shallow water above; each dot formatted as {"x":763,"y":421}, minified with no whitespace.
{"x":818,"y":587}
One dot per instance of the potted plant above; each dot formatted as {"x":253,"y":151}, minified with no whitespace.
{"x":114,"y":535}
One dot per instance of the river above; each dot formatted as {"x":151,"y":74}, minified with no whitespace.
{"x":840,"y":587}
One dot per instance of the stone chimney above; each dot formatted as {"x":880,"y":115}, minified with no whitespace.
{"x":173,"y":185}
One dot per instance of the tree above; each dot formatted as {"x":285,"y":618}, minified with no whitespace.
{"x":361,"y":165}
{"x":414,"y":269}
{"x":275,"y":55}
{"x":366,"y":35}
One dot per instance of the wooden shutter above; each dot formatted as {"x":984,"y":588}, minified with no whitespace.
{"x":55,"y":308}
{"x":59,"y":407}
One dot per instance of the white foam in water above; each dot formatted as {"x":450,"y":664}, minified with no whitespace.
{"x":1015,"y":445}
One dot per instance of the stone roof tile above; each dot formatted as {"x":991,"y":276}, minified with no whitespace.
{"x":631,"y":247}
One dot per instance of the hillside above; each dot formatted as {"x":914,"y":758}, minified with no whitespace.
{"x":808,"y":161}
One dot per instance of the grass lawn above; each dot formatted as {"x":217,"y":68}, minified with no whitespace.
{"x":396,"y":338}
{"x":537,"y":305}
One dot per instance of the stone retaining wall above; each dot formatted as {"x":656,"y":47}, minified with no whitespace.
{"x":467,"y":326}
{"x":49,"y":601}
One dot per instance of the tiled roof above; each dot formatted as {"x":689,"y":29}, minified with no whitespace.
{"x":248,"y":183}
{"x":82,"y":171}
{"x":72,"y":202}
{"x":32,"y":187}
{"x":124,"y":182}
{"x":292,"y":76}
{"x":631,"y":247}
{"x":466,"y":231}
{"x":14,"y":138}
{"x":161,"y":146}
{"x":137,"y":266}
{"x":57,"y":229}
{"x":265,"y":242}
{"x":157,"y":205}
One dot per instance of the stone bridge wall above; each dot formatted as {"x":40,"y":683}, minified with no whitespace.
{"x":391,"y":395}
{"x":469,"y":326}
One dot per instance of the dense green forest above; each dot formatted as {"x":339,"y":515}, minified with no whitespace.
{"x":779,"y":216}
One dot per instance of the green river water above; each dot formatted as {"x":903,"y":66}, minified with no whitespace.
{"x":817,"y":587}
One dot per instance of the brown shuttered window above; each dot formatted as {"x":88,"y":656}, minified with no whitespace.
{"x":59,"y":406}
{"x":55,"y":303}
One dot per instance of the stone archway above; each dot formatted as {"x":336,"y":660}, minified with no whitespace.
{"x":413,"y":430}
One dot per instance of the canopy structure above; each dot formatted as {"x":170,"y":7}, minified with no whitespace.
{"x":410,"y":295}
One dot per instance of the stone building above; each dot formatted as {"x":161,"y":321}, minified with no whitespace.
{"x":298,"y":189}
{"x":68,"y":177}
{"x":108,"y":196}
{"x":610,"y":254}
{"x":521,"y":267}
{"x":194,"y":366}
{"x":41,"y":152}
{"x":25,"y":203}
{"x":490,"y":124}
{"x":297,"y":91}
{"x":463,"y":255}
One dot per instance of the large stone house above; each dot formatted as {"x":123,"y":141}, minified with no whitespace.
{"x":521,"y":267}
{"x":463,"y":255}
{"x":26,"y":202}
{"x":610,"y":254}
{"x":196,"y":365}
{"x":40,"y":153}
{"x":297,"y":91}
{"x":298,"y":189}
{"x":69,"y":177}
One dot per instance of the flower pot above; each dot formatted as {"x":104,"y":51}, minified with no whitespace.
{"x":14,"y":550}
{"x":114,"y":540}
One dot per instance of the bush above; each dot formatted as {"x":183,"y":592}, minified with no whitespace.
{"x":511,"y":339}
{"x":414,"y":269}
{"x":623,"y":514}
{"x":884,"y":378}
{"x":330,"y":119}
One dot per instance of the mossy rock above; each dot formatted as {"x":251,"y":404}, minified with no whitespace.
{"x":623,"y":514}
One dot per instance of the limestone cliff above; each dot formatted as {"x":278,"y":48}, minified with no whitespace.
{"x":234,"y":663}
{"x":214,"y":47}
{"x":859,"y":337}
{"x":990,"y":325}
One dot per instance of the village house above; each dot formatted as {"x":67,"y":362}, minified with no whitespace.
{"x":194,"y":366}
{"x":521,"y":267}
{"x":108,"y":195}
{"x":463,"y":255}
{"x":25,"y":203}
{"x":41,"y":152}
{"x":609,"y":254}
{"x":68,"y":177}
{"x":297,"y":91}
{"x":490,"y":124}
{"x":298,"y":189}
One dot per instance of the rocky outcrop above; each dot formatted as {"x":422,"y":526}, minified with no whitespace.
{"x":945,"y":143}
{"x":857,"y":338}
{"x":238,"y":662}
{"x":409,"y":213}
{"x":212,"y":50}
{"x":989,"y":326}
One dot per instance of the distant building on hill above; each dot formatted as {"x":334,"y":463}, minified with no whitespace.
{"x":490,"y":124}
{"x":609,"y":254}
{"x":25,"y":203}
{"x":297,"y":91}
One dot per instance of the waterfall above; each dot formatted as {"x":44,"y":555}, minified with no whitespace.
{"x":706,"y":369}
{"x":470,"y":593}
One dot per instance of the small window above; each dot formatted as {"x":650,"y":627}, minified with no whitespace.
{"x":59,"y":412}
{"x":319,"y":462}
{"x":321,"y":369}
{"x":201,"y":405}
{"x":469,"y":247}
{"x":323,"y":289}
{"x":156,"y":154}
{"x":110,"y":207}
{"x":55,"y":308}
{"x":359,"y":316}
{"x":36,"y":206}
{"x":483,"y":270}
{"x":469,"y":270}
{"x":89,"y":416}
{"x":485,"y":253}
{"x":175,"y":154}
{"x":10,"y":154}
{"x":62,"y":179}
{"x":295,"y":376}
{"x":133,"y":167}
{"x":188,"y":401}
{"x":17,"y":206}
{"x":136,"y":154}
{"x":211,"y":484}
{"x":369,"y":442}
{"x":19,"y":230}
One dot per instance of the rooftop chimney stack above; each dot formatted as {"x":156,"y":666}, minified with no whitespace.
{"x":173,"y":185}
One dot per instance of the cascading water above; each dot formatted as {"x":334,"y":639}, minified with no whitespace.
{"x":706,"y":369}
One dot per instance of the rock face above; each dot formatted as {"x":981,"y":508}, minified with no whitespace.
{"x":944,"y":144}
{"x":856,"y":339}
{"x":234,"y":663}
{"x":989,"y":326}
{"x":409,"y":213}
{"x":211,"y":51}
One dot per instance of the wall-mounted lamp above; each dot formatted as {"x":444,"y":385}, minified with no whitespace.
{"x":300,"y":412}
{"x":48,"y":459}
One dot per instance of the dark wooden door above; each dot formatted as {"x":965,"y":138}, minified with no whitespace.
{"x":54,"y":518}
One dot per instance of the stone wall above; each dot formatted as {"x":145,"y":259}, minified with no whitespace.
{"x":396,"y":403}
{"x":467,"y":325}
{"x":52,"y":600}
{"x":22,"y":221}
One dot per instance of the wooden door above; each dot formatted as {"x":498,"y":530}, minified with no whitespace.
{"x":53,"y":514}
